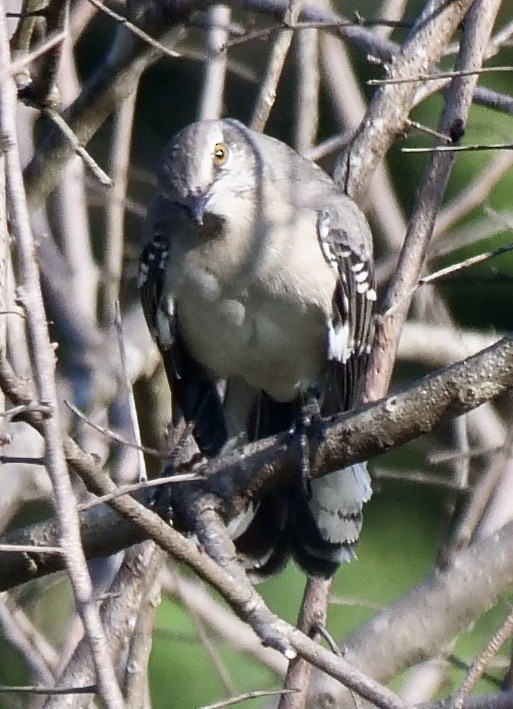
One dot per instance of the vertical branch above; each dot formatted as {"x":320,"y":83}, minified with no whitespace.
{"x":136,"y":673}
{"x":128,"y":391}
{"x":312,"y":614}
{"x":390,"y":10}
{"x":119,"y":613}
{"x":70,"y":207}
{"x":267,"y":94}
{"x":477,"y":28}
{"x":18,"y":640}
{"x":349,"y":104}
{"x":387,"y":114}
{"x":123,"y":123}
{"x":212,"y":93}
{"x":4,"y":293}
{"x":44,"y":364}
{"x":42,"y":90}
{"x":307,"y":93}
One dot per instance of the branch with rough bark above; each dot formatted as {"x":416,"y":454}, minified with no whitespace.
{"x":72,"y":283}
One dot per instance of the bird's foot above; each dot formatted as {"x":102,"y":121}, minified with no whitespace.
{"x":160,"y":499}
{"x":309,"y":429}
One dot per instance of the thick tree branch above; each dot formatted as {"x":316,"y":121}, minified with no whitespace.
{"x":477,"y":29}
{"x":389,"y":108}
{"x":372,"y":430}
{"x":421,"y":623}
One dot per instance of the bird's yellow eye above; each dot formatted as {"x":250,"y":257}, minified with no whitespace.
{"x":219,"y":154}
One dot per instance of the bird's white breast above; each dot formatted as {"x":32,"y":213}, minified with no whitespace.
{"x":262,"y":318}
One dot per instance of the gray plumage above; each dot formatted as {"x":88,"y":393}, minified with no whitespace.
{"x":258,"y":272}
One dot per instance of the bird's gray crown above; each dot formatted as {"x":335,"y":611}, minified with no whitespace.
{"x":210,"y":160}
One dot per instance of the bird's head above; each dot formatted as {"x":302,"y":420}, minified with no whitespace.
{"x":208,"y":165}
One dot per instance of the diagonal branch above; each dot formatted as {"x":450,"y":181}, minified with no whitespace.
{"x":477,"y":29}
{"x":351,"y":437}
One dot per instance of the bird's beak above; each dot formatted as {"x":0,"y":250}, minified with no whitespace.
{"x":196,"y":205}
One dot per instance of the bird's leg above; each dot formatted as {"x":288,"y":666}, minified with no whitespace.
{"x":160,"y":498}
{"x":307,"y":427}
{"x":182,"y":458}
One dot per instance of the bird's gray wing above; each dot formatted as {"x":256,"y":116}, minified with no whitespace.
{"x":344,"y":241}
{"x":325,"y":524}
{"x":195,"y":393}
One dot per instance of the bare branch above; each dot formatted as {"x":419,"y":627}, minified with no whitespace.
{"x":267,"y":93}
{"x":307,"y":90}
{"x":312,"y":616}
{"x":137,"y":31}
{"x":391,"y":104}
{"x":478,"y":665}
{"x":425,"y":619}
{"x":211,"y":102}
{"x":119,"y":163}
{"x":458,"y":101}
{"x":247,"y":695}
{"x":100,"y":175}
{"x":30,"y":293}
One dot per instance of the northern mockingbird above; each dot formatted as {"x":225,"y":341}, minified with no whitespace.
{"x":258,"y":273}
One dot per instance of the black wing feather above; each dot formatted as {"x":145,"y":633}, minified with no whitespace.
{"x":193,"y":391}
{"x":352,"y":313}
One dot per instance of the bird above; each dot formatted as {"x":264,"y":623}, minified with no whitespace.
{"x":256,"y":282}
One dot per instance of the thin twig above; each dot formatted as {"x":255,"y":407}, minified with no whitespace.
{"x":473,"y":195}
{"x":312,"y":616}
{"x":460,"y":148}
{"x":30,"y":549}
{"x":115,"y":436}
{"x":478,"y":665}
{"x":42,"y":90}
{"x":449,"y":456}
{"x":267,"y":94}
{"x":329,"y":146}
{"x":482,"y":492}
{"x":440,"y":75}
{"x":228,"y":627}
{"x":137,"y":487}
{"x":391,"y":104}
{"x":329,"y":25}
{"x":119,"y":613}
{"x":413,"y":477}
{"x":29,"y":689}
{"x":350,"y":104}
{"x":428,"y":130}
{"x":23,"y":61}
{"x":100,"y":175}
{"x":14,"y":635}
{"x":355,"y":602}
{"x":209,"y":648}
{"x":13,"y":312}
{"x":256,"y":694}
{"x":307,"y":90}
{"x":460,"y":664}
{"x":458,"y":101}
{"x":137,"y":31}
{"x":35,"y":638}
{"x":136,"y":664}
{"x":444,"y":272}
